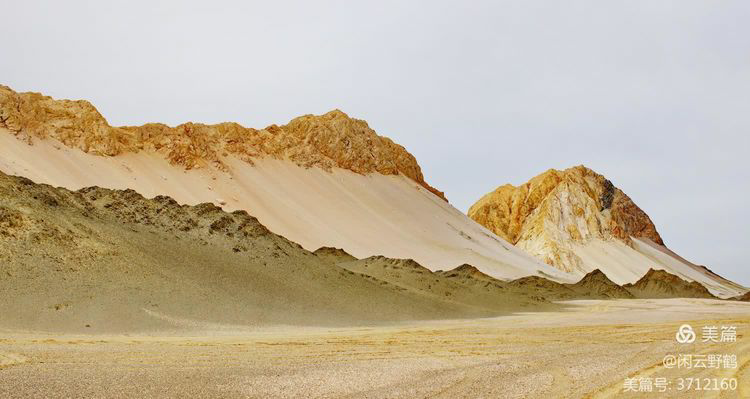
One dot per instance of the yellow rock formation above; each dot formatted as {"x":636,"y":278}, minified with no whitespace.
{"x":560,"y":207}
{"x":326,"y":141}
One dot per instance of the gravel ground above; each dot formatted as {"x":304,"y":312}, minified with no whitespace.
{"x":586,"y":352}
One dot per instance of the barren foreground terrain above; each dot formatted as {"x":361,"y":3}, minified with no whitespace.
{"x":586,"y":350}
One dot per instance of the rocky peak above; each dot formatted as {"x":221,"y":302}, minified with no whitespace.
{"x":559,"y":207}
{"x":595,"y":275}
{"x":335,"y":254}
{"x":661,"y":284}
{"x":326,"y":141}
{"x":467,"y":271}
{"x":596,"y":283}
{"x":466,"y":268}
{"x":392,"y":263}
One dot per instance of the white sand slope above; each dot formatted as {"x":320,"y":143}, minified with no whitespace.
{"x":623,"y":264}
{"x":364,"y":214}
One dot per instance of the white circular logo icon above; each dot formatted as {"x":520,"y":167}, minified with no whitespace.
{"x":685,"y":334}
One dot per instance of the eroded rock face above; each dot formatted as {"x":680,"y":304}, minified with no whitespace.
{"x":557,"y":208}
{"x":326,"y":141}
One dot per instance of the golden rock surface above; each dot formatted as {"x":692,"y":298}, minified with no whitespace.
{"x":326,"y":141}
{"x":557,"y":208}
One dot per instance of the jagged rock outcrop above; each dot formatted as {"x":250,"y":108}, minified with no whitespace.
{"x":467,"y":272}
{"x":464,"y":284}
{"x":557,"y":208}
{"x":594,"y":285}
{"x":597,"y":284}
{"x":395,"y":264}
{"x":334,"y":255}
{"x":661,"y":284}
{"x":544,"y":288}
{"x":326,"y":141}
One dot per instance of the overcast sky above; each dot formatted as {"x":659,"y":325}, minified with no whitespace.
{"x":653,"y":94}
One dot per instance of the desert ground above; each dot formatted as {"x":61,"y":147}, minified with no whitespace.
{"x":585,"y":350}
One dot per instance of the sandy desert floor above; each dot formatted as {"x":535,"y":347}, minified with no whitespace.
{"x":585,"y":351}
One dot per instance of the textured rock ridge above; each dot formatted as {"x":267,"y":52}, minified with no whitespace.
{"x":597,"y":284}
{"x":334,"y":255}
{"x":326,"y":141}
{"x":660,"y":284}
{"x":557,"y":208}
{"x":594,"y":285}
{"x":466,"y":271}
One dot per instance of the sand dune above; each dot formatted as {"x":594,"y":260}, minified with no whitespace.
{"x":366,"y":215}
{"x":320,"y":180}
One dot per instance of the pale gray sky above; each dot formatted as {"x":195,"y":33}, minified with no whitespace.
{"x":653,"y":94}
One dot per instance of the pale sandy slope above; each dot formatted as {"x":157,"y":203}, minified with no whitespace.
{"x":364,"y":214}
{"x":624,"y":264}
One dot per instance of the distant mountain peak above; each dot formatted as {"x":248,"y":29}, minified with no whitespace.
{"x":560,"y":207}
{"x":596,"y":282}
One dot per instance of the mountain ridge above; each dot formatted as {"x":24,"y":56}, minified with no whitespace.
{"x":320,"y":181}
{"x":330,"y":140}
{"x":100,"y":260}
{"x":329,"y":181}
